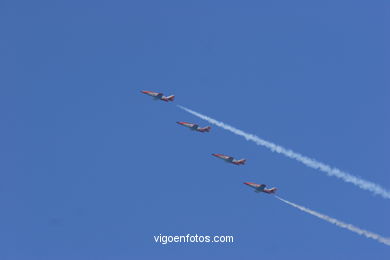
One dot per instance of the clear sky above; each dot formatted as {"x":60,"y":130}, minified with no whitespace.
{"x":93,"y":169}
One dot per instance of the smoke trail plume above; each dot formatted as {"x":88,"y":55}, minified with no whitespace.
{"x":350,"y":227}
{"x":312,"y":163}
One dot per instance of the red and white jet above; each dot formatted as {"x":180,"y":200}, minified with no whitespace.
{"x":195,"y":127}
{"x":229,"y":159}
{"x":159,"y":96}
{"x":260,"y":187}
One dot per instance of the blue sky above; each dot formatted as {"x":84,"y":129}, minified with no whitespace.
{"x":93,"y":169}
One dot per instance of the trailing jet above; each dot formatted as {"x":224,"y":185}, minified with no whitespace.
{"x":229,"y":159}
{"x":260,"y":187}
{"x":195,"y":127}
{"x":159,"y":96}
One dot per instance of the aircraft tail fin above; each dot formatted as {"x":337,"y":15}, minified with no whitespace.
{"x":171,"y":98}
{"x":242,"y":161}
{"x":273,"y":190}
{"x":207,"y":129}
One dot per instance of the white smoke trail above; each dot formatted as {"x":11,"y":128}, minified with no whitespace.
{"x":312,"y":163}
{"x":339,"y":223}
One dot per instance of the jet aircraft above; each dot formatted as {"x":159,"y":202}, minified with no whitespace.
{"x":159,"y":96}
{"x":260,"y":188}
{"x":195,"y":127}
{"x":229,"y":159}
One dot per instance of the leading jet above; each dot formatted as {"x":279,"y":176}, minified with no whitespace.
{"x":195,"y":127}
{"x":229,"y":159}
{"x":260,"y":188}
{"x":159,"y":96}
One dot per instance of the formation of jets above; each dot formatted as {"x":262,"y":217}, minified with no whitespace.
{"x":195,"y":127}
